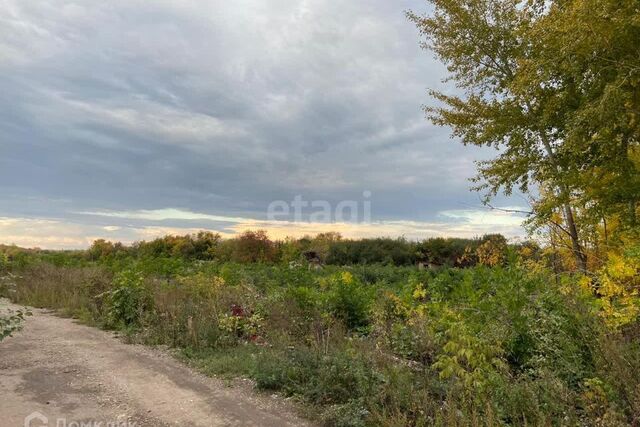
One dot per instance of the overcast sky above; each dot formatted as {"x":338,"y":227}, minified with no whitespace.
{"x":128,"y":119}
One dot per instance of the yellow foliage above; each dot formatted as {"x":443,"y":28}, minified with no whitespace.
{"x":397,"y":307}
{"x":420,"y":292}
{"x":492,"y":252}
{"x":202,"y":285}
{"x":618,"y":283}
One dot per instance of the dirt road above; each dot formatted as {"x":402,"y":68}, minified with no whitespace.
{"x":73,"y":374}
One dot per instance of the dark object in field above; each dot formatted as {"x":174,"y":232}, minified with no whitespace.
{"x":313,"y":258}
{"x":238,"y":311}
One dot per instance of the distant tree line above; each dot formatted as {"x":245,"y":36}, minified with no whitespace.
{"x":325,"y":248}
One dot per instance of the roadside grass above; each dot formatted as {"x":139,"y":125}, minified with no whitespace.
{"x":225,"y":363}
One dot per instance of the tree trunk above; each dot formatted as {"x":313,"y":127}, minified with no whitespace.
{"x":581,"y":258}
{"x":554,"y":254}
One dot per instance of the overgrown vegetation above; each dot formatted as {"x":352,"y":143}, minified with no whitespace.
{"x":505,"y":342}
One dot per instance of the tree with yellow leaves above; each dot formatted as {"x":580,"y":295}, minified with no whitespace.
{"x":555,"y":87}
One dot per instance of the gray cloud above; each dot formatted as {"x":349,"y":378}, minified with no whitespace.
{"x":220,"y":107}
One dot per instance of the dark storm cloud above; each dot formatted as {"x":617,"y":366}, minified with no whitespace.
{"x":220,"y":107}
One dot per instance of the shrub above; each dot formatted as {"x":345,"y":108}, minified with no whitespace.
{"x":128,"y":300}
{"x":11,"y":321}
{"x":349,"y":300}
{"x":618,"y":285}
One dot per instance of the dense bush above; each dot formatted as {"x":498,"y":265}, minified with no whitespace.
{"x":348,"y":300}
{"x":127,"y":301}
{"x":372,"y":251}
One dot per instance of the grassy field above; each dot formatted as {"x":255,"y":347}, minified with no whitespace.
{"x":511,"y":344}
